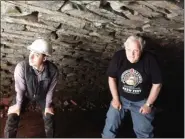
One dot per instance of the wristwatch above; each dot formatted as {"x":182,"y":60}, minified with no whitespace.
{"x":149,"y":105}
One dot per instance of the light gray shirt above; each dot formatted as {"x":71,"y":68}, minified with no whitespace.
{"x":20,"y":85}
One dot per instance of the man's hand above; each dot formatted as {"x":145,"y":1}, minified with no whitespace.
{"x":145,"y":109}
{"x":116,"y":104}
{"x":49,"y":110}
{"x":14,"y":109}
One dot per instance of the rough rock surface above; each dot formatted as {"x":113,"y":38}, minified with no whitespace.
{"x":85,"y":35}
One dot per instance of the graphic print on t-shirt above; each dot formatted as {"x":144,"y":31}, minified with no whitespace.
{"x":130,"y":79}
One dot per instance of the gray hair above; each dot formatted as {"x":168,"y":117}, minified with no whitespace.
{"x":135,"y":38}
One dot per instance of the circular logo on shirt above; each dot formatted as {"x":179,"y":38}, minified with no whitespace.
{"x":131,"y":77}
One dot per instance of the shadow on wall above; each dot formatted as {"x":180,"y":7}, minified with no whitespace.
{"x":170,"y":54}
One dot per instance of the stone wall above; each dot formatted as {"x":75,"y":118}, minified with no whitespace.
{"x":84,"y":34}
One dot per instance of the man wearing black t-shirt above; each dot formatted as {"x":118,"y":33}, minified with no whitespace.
{"x":135,"y":81}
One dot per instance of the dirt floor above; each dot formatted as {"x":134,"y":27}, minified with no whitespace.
{"x":89,"y":124}
{"x":169,"y":123}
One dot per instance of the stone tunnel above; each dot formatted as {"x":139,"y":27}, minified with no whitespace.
{"x":84,"y":36}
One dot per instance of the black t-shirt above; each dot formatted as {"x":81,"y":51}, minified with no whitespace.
{"x":134,"y":80}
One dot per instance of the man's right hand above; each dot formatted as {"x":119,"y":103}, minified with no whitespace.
{"x":14,"y":109}
{"x":116,"y":104}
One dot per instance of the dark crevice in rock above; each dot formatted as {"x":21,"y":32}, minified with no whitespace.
{"x":65,"y":2}
{"x":54,"y":35}
{"x":133,"y":3}
{"x":108,"y":7}
{"x":17,"y":8}
{"x":59,"y":26}
{"x":127,"y":9}
{"x":31,"y":17}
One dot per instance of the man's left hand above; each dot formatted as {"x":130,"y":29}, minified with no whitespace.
{"x":145,"y":109}
{"x":49,"y":110}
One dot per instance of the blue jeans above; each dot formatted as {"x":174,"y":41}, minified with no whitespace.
{"x":142,"y":124}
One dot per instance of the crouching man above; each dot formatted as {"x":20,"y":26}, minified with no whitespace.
{"x":135,"y":81}
{"x":35,"y":81}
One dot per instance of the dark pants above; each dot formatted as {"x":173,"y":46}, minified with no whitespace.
{"x":12,"y":122}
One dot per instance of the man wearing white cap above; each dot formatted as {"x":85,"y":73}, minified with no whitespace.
{"x":35,"y":81}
